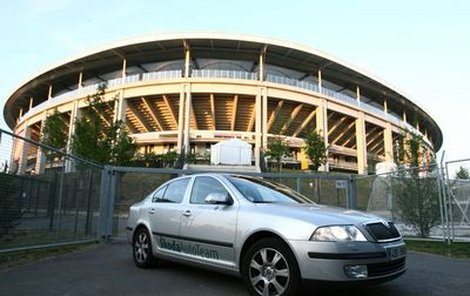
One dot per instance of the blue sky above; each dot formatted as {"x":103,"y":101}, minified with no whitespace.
{"x":420,"y":47}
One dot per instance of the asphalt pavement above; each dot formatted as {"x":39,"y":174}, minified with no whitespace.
{"x":108,"y":269}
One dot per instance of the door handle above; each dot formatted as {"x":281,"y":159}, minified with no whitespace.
{"x":152,"y":211}
{"x":187,"y":213}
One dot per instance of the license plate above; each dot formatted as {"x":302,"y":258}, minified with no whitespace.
{"x":396,"y":252}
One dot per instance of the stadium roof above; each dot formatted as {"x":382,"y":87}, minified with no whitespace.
{"x":166,"y":47}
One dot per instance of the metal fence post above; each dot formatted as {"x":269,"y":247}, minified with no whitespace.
{"x":111,"y":201}
{"x":104,"y":203}
{"x":351,"y":192}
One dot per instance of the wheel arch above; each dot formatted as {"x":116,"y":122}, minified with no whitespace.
{"x":141,"y":226}
{"x":259,"y":235}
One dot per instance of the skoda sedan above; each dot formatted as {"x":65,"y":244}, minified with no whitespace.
{"x":270,"y":235}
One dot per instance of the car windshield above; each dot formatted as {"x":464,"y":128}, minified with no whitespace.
{"x":259,"y":190}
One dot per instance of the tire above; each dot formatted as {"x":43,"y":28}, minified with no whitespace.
{"x":270,"y":268}
{"x":142,"y":249}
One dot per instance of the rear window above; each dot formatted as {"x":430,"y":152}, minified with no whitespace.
{"x":173,"y":192}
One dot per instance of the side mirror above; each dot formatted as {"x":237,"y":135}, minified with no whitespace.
{"x":219,"y":198}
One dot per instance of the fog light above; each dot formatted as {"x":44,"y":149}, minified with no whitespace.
{"x":356,"y":271}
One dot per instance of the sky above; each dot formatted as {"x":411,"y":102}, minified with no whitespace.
{"x":421,"y":47}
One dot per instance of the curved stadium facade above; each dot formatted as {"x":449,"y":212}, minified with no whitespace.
{"x":184,"y":92}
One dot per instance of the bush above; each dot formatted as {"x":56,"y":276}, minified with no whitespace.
{"x":418,"y":201}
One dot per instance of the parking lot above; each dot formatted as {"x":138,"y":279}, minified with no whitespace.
{"x":108,"y":269}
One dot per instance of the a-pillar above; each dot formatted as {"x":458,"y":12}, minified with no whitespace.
{"x":388,"y":142}
{"x":24,"y":151}
{"x":361,"y":144}
{"x":322,"y":128}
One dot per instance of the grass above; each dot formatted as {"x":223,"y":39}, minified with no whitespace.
{"x":454,"y":250}
{"x":8,"y":260}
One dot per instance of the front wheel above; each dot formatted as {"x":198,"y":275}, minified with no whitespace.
{"x":270,"y":268}
{"x":142,"y":249}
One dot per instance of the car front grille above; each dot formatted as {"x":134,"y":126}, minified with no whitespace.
{"x":381,"y":269}
{"x":381,"y":232}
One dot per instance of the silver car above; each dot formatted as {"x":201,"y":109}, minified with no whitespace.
{"x":272,"y":236}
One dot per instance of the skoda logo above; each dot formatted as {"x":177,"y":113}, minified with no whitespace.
{"x":385,"y":223}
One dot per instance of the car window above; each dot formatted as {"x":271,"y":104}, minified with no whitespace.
{"x":158,"y":196}
{"x":262,"y":191}
{"x":174,"y":192}
{"x":203,"y":186}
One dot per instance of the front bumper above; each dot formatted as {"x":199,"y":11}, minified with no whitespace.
{"x":328,"y":261}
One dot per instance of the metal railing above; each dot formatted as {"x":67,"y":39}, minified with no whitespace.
{"x":230,"y":74}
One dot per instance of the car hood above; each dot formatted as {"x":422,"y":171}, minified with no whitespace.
{"x":318,"y":214}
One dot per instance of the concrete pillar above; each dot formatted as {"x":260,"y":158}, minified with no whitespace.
{"x":322,"y":127}
{"x":24,"y":149}
{"x":75,"y":114}
{"x":40,"y":165}
{"x":388,"y":142}
{"x":361,"y":144}
{"x":320,"y":82}
{"x":124,"y":69}
{"x":80,"y":80}
{"x":358,"y":95}
{"x":120,"y":109}
{"x":261,"y":66}
{"x":258,"y":130}
{"x":31,"y":102}
{"x":179,"y":144}
{"x":386,"y":106}
{"x":49,"y":93}
{"x":187,"y":119}
{"x":187,"y":59}
{"x":264,"y":114}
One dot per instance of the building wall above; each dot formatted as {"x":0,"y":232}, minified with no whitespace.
{"x":221,"y":108}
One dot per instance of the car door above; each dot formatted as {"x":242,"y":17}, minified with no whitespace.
{"x":165,"y":215}
{"x":209,"y":230}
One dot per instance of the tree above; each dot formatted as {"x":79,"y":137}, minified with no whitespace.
{"x":462,"y":174}
{"x":276,"y":150}
{"x":54,"y":134}
{"x":169,"y":158}
{"x":100,"y":138}
{"x":416,"y":189}
{"x":315,"y":149}
{"x":124,"y":149}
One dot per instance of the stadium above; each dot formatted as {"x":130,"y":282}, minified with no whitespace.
{"x":185,"y":92}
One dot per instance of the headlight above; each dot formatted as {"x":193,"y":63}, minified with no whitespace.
{"x":338,"y":233}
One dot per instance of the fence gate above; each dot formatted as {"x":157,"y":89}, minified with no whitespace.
{"x":47,"y":197}
{"x":456,"y":201}
{"x":133,"y":184}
